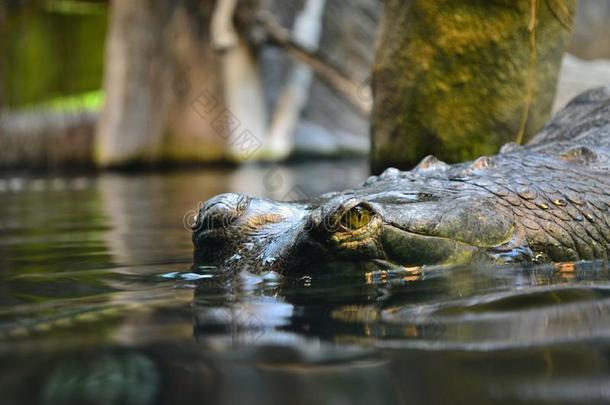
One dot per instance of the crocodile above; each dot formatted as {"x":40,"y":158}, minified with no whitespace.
{"x":546,"y":201}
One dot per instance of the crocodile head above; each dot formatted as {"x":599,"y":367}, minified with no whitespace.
{"x":545,"y":201}
{"x":400,"y":218}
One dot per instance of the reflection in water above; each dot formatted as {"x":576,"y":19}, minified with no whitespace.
{"x":99,"y":304}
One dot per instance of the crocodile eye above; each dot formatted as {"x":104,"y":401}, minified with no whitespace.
{"x":356,"y":218}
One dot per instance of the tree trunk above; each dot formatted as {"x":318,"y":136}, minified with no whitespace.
{"x":176,"y":93}
{"x":163,"y":85}
{"x":42,"y":138}
{"x":458,"y":78}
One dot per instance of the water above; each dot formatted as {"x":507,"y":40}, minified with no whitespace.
{"x":99,"y":304}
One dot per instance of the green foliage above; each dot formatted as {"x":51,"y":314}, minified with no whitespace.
{"x":91,"y":100}
{"x":50,"y":50}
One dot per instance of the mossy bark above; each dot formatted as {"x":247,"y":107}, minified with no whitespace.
{"x":458,"y":78}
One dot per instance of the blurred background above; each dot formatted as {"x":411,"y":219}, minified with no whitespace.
{"x":99,"y":301}
{"x":108,"y":83}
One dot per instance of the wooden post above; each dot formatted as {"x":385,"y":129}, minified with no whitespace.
{"x":162,"y":84}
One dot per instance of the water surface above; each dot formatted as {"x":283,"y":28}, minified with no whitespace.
{"x":100,"y":304}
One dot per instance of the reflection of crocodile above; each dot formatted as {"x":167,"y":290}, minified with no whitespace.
{"x":546,"y":201}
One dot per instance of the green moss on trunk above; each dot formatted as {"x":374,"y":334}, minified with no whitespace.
{"x":458,"y":78}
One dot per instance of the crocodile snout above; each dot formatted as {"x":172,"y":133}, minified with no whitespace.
{"x":221,"y":211}
{"x":234,"y":229}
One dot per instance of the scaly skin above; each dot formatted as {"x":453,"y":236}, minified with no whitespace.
{"x":546,"y":201}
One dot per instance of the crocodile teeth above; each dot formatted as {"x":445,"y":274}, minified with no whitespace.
{"x":430,"y":163}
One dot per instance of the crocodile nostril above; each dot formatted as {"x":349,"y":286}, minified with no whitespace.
{"x":221,"y":211}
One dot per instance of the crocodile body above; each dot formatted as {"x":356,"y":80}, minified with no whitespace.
{"x":546,"y":201}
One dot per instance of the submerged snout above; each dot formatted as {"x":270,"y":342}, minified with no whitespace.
{"x":234,"y":230}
